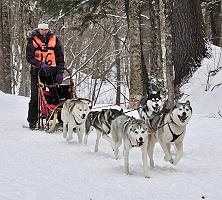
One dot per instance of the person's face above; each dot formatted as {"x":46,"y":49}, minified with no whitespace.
{"x":43,"y":32}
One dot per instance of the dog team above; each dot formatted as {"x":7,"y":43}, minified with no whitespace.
{"x":156,"y":124}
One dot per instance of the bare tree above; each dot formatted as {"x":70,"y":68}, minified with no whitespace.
{"x":136,"y":77}
{"x":5,"y":56}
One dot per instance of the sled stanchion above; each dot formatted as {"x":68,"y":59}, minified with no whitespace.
{"x":51,"y":98}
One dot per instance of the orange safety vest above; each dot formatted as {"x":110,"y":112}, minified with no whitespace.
{"x":45,"y":53}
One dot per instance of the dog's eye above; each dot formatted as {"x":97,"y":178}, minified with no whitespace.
{"x":187,"y":109}
{"x":143,"y":131}
{"x":80,"y":109}
{"x":136,"y":132}
{"x":180,"y":109}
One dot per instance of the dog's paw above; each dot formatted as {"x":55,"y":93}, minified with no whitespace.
{"x":171,"y":161}
{"x":167,"y":158}
{"x":174,"y":162}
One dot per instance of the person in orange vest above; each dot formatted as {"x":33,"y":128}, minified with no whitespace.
{"x":44,"y":53}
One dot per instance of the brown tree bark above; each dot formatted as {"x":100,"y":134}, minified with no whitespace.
{"x":168,"y":57}
{"x":5,"y":56}
{"x":136,"y":80}
{"x":188,"y":36}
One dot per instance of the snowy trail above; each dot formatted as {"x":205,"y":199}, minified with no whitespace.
{"x":35,"y":165}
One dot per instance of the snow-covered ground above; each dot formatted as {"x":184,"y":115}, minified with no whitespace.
{"x":35,"y":165}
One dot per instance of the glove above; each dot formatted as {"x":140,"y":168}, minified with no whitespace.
{"x":45,"y":67}
{"x":59,"y":78}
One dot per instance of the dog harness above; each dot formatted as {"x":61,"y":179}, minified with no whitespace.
{"x":173,"y":134}
{"x":45,"y":52}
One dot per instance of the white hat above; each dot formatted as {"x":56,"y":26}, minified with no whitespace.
{"x":43,"y":24}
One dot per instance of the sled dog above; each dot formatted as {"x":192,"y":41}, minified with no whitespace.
{"x":134,"y":133}
{"x":73,"y":115}
{"x":150,"y":104}
{"x":169,"y":127}
{"x":101,"y":121}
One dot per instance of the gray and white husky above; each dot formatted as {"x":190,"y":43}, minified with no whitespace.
{"x":73,"y":115}
{"x":134,"y":133}
{"x":101,"y":121}
{"x":169,"y":127}
{"x":150,"y":104}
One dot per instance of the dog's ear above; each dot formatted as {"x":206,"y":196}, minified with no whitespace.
{"x":158,"y":93}
{"x":90,"y":107}
{"x":188,"y":102}
{"x":121,"y":110}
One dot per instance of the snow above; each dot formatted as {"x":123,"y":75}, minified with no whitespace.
{"x":209,"y":102}
{"x":35,"y":165}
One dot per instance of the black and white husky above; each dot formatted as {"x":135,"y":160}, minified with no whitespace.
{"x":73,"y":115}
{"x":101,"y":121}
{"x":169,"y":127}
{"x":150,"y":104}
{"x":134,"y":133}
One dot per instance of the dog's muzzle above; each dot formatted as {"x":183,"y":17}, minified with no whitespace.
{"x":156,"y":108}
{"x":182,"y":118}
{"x":140,"y":142}
{"x":83,"y":116}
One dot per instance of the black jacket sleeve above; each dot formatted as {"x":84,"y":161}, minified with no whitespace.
{"x":30,"y":54}
{"x":59,"y":54}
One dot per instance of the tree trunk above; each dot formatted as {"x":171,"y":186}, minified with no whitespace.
{"x":207,"y":21}
{"x":5,"y":56}
{"x":189,"y":46}
{"x":220,"y":39}
{"x":24,"y":89}
{"x":155,"y":49}
{"x":117,"y":51}
{"x":169,"y":59}
{"x":136,"y":81}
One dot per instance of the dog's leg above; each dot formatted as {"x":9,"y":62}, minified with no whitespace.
{"x":179,"y":152}
{"x":150,"y":149}
{"x":88,"y":129}
{"x":65,"y":124}
{"x":69,"y":133}
{"x":97,"y":140}
{"x":126,"y":159}
{"x":86,"y":138}
{"x":145,"y":161}
{"x":169,"y":147}
{"x":80,"y":133}
{"x":115,"y":148}
{"x":167,"y":156}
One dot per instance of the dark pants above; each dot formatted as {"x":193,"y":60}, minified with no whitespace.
{"x":33,"y":104}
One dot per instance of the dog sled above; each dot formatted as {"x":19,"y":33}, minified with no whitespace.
{"x":50,"y":102}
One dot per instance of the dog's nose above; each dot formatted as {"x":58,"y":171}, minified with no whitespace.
{"x":184,"y":114}
{"x":83,"y":116}
{"x":156,"y":105}
{"x":140,"y":139}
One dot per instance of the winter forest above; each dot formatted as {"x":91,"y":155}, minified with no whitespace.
{"x":125,"y":48}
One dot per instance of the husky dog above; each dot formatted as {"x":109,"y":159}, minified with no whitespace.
{"x":73,"y":115}
{"x":101,"y":121}
{"x":134,"y":133}
{"x":169,"y":127}
{"x":149,"y":104}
